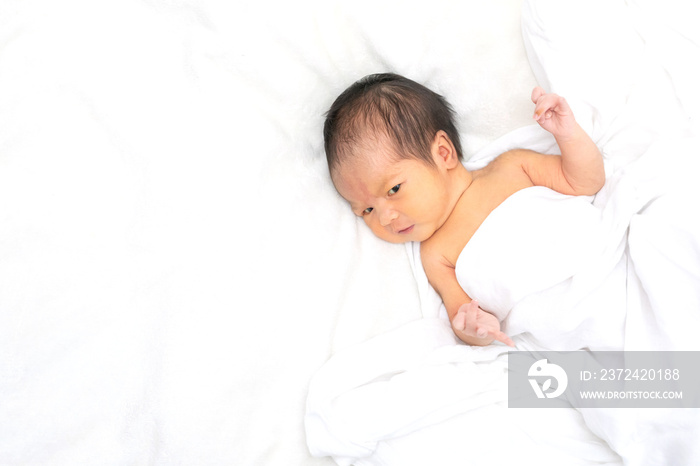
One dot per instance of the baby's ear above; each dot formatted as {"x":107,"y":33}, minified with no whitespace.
{"x":444,"y":151}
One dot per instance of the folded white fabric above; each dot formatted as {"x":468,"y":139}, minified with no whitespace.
{"x":415,"y":396}
{"x":396,"y":383}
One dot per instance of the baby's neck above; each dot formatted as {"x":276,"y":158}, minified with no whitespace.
{"x":463,"y":179}
{"x":460,"y":181}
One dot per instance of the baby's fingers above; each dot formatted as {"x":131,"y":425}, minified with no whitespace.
{"x":503,"y":338}
{"x":536,"y":94}
{"x":544,"y":106}
{"x":549,"y":104}
{"x":465,"y":319}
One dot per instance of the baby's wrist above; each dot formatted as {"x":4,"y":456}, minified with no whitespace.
{"x":574,"y":136}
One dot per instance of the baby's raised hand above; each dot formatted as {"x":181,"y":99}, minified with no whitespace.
{"x":553,"y":113}
{"x":475,"y":322}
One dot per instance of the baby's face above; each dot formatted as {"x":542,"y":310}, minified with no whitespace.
{"x":404,"y":200}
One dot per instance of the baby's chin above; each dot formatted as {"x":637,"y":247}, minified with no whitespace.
{"x":412,"y":237}
{"x":395,"y":239}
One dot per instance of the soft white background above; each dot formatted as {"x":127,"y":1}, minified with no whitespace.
{"x":174,"y":262}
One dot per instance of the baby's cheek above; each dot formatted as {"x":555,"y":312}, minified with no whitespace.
{"x":376,"y":228}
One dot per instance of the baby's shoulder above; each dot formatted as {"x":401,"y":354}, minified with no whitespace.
{"x":431,"y":250}
{"x":510,"y":160}
{"x":434,"y":259}
{"x":505,"y":173}
{"x":443,"y":248}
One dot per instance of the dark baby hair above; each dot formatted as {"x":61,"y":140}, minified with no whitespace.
{"x":387,"y":105}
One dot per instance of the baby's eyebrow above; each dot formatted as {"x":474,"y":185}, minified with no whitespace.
{"x":389,"y":180}
{"x":384,"y":183}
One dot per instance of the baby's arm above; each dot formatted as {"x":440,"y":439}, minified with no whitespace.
{"x":470,"y":323}
{"x":579,"y":170}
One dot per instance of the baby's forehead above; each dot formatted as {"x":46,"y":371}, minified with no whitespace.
{"x":370,"y":160}
{"x":371,"y":148}
{"x":359,"y":181}
{"x":375,"y":171}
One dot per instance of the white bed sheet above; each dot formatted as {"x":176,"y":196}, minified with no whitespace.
{"x":174,"y":262}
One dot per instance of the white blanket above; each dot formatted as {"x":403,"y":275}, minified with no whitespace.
{"x":383,"y":401}
{"x":619,"y":275}
{"x":629,"y":85}
{"x":650,"y":146}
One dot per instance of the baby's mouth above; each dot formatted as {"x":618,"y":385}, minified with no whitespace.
{"x":406,"y":230}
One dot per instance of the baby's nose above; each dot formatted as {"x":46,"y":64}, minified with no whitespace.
{"x":387,"y":216}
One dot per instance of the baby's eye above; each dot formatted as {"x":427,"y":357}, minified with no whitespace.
{"x":394,"y":190}
{"x":367,"y":210}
